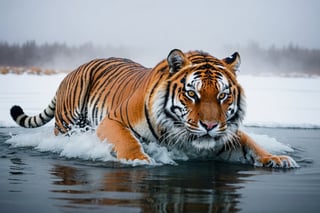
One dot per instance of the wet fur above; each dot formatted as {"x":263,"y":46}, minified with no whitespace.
{"x":188,"y":100}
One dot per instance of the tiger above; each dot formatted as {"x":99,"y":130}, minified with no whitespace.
{"x":190,"y":100}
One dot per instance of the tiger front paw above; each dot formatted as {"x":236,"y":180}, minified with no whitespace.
{"x":278,"y":161}
{"x":131,"y":156}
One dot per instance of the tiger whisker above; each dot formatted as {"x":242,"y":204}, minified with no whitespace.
{"x":231,"y":140}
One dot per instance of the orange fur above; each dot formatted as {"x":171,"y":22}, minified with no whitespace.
{"x":189,"y":99}
{"x":263,"y":156}
{"x":125,"y":145}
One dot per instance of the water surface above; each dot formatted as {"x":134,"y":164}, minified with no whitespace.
{"x":33,"y":181}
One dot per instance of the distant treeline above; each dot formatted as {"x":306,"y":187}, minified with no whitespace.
{"x":288,"y":60}
{"x":55,"y":55}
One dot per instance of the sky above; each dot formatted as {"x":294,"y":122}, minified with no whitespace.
{"x":162,"y":25}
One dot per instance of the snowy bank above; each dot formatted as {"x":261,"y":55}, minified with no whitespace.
{"x":282,"y":102}
{"x":271,"y":101}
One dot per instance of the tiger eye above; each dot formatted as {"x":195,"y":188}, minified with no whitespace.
{"x":222,"y":96}
{"x":191,"y":93}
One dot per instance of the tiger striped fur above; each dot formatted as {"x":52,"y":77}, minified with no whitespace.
{"x":190,"y":100}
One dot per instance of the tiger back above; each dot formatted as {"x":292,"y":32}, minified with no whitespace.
{"x":96,"y":89}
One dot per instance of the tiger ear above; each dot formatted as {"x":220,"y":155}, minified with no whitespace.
{"x":233,"y":62}
{"x":176,"y":60}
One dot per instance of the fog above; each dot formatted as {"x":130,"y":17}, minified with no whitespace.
{"x":162,"y":24}
{"x":152,"y":28}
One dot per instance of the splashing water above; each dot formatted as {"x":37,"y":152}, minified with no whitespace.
{"x":87,"y":146}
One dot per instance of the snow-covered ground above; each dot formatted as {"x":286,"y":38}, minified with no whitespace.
{"x":271,"y":101}
{"x":282,"y":102}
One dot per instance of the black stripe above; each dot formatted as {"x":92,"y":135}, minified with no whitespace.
{"x":155,"y":86}
{"x":166,"y":101}
{"x":92,"y":115}
{"x":29,"y":122}
{"x":96,"y":97}
{"x":167,"y":94}
{"x":122,"y":111}
{"x":103,"y":106}
{"x":47,"y":114}
{"x":42,"y":119}
{"x":75,"y":95}
{"x":173,"y":107}
{"x":22,"y":120}
{"x":35,"y":121}
{"x":86,"y":79}
{"x":219,"y":75}
{"x":137,"y":135}
{"x":244,"y":152}
{"x":52,"y":108}
{"x":149,"y":122}
{"x":170,"y":116}
{"x":173,"y":93}
{"x":95,"y":113}
{"x":220,"y":151}
{"x":68,"y":116}
{"x":120,"y":82}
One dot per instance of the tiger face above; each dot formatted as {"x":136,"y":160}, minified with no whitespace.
{"x":204,"y":104}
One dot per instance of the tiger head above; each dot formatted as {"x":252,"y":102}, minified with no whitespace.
{"x":201,"y":103}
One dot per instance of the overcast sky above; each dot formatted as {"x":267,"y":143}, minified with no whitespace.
{"x":165,"y":24}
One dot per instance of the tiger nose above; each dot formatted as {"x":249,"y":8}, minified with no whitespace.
{"x":208,"y":125}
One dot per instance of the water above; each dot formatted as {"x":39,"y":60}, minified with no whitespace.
{"x":37,"y":181}
{"x":42,"y":173}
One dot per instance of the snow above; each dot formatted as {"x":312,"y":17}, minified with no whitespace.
{"x":271,"y":101}
{"x":282,"y":102}
{"x":32,"y":92}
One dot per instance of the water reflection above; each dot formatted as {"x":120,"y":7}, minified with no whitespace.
{"x":189,"y":187}
{"x":31,"y":181}
{"x":16,"y":174}
{"x":17,"y":166}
